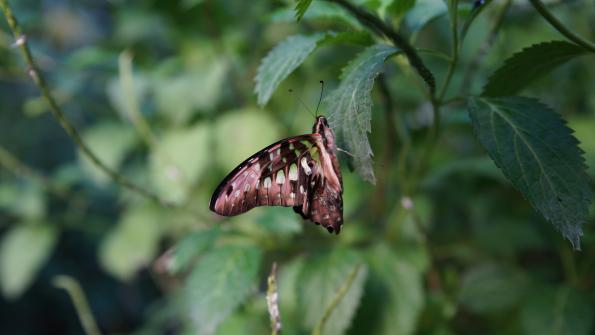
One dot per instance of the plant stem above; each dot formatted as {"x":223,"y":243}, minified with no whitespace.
{"x":454,"y":58}
{"x":80,"y":303}
{"x":341,"y":293}
{"x":273,"y":301}
{"x":485,"y":48}
{"x":39,"y":80}
{"x":381,"y":28}
{"x":542,"y":9}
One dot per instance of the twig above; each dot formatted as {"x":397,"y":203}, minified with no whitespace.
{"x":341,"y":293}
{"x":273,"y":301}
{"x":542,"y":9}
{"x":80,"y":303}
{"x":485,"y":48}
{"x":39,"y":80}
{"x":378,"y":26}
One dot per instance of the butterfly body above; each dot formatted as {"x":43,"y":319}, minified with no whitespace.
{"x":302,"y":172}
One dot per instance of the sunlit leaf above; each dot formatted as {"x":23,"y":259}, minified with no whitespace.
{"x":423,"y":12}
{"x":252,"y":130}
{"x":219,"y":283}
{"x":318,"y":10}
{"x":281,"y":61}
{"x":25,"y":200}
{"x":489,"y":288}
{"x":535,"y":150}
{"x":563,"y":311}
{"x":110,"y":142}
{"x":23,"y":251}
{"x":319,"y":282}
{"x":179,"y":160}
{"x":133,"y":242}
{"x":350,"y":106}
{"x":301,"y":6}
{"x":528,"y":65}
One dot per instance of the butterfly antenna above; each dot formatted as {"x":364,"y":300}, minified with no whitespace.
{"x":320,"y":99}
{"x":345,"y":152}
{"x":303,"y":104}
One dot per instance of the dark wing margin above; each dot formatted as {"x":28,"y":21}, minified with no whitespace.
{"x":278,"y":175}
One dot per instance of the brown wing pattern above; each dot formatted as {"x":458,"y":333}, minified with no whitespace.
{"x":278,"y":175}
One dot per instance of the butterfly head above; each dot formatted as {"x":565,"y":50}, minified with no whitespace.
{"x":320,"y":125}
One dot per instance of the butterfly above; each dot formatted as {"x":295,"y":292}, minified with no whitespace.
{"x":302,"y":172}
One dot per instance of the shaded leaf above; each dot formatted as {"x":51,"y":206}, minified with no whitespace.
{"x":362,"y":38}
{"x":301,"y":6}
{"x":23,"y":251}
{"x":398,"y":283}
{"x":536,"y":151}
{"x":423,"y":12}
{"x":319,"y":282}
{"x":133,"y":243}
{"x":178,"y":161}
{"x":395,"y":8}
{"x":528,"y":65}
{"x":560,"y":311}
{"x":25,"y":200}
{"x":189,"y":247}
{"x":491,"y":288}
{"x":219,"y":284}
{"x":350,"y":106}
{"x":281,"y":61}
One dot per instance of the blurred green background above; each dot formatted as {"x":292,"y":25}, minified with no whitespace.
{"x":163,"y":92}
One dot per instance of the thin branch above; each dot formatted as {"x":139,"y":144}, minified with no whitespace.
{"x":273,"y":301}
{"x":454,"y":58}
{"x":341,"y":293}
{"x":39,"y":80}
{"x":569,"y":34}
{"x":381,"y":28}
{"x":80,"y":303}
{"x":485,"y":48}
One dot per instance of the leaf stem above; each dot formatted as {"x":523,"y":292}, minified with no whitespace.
{"x":80,"y":303}
{"x":454,"y":58}
{"x":544,"y":11}
{"x":381,"y":28}
{"x":341,"y":293}
{"x":58,"y":114}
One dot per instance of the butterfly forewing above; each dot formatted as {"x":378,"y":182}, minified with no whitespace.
{"x":278,"y":175}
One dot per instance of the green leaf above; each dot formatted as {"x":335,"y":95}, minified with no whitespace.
{"x":423,"y":12}
{"x":301,"y":6}
{"x":25,"y":200}
{"x":395,"y":8}
{"x":350,"y":106}
{"x":252,"y":130}
{"x":557,"y":311}
{"x":319,"y":10}
{"x":528,"y":65}
{"x":362,"y":38}
{"x":219,"y":284}
{"x":133,"y":243}
{"x":535,"y":150}
{"x":23,"y":250}
{"x":320,"y":280}
{"x":281,"y":61}
{"x":398,"y":282}
{"x":189,"y":247}
{"x":179,"y":159}
{"x":491,"y":288}
{"x":110,"y":142}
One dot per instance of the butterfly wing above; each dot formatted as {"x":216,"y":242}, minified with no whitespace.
{"x":278,"y":175}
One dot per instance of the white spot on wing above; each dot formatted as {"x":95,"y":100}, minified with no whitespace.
{"x":237,"y":194}
{"x":280,"y":177}
{"x":305,"y":166}
{"x":293,"y":172}
{"x":257,"y":166}
{"x":267,"y":182}
{"x":302,"y":189}
{"x":247,"y":188}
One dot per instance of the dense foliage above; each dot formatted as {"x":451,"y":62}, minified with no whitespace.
{"x":467,"y":187}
